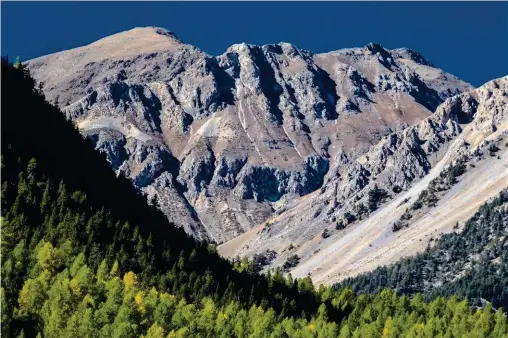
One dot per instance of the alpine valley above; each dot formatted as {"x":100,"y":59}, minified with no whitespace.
{"x":327,"y":165}
{"x":151,"y":190}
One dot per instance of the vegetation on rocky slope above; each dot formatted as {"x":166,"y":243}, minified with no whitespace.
{"x":83,"y":254}
{"x":472,"y":263}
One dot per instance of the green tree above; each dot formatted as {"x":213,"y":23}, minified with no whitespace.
{"x":17,"y":63}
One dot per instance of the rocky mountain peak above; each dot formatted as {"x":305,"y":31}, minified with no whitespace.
{"x":226,"y":141}
{"x":375,"y":47}
{"x":363,"y":196}
{"x":412,"y":55}
{"x":151,"y":36}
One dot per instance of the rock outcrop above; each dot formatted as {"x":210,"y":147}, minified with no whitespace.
{"x":346,"y":227}
{"x":227,"y":142}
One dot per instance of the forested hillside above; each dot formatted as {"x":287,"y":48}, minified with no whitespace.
{"x":472,"y":262}
{"x":83,"y":254}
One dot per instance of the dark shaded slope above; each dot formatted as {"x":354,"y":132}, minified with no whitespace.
{"x":83,"y":255}
{"x":115,"y":223}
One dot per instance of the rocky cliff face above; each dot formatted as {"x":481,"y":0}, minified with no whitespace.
{"x":227,"y":142}
{"x":352,"y":224}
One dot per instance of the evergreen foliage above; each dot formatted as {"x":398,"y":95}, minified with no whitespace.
{"x":85,"y":255}
{"x":375,"y":197}
{"x":55,"y":186}
{"x":472,"y":263}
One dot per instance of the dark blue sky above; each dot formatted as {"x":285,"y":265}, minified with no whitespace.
{"x":468,"y":39}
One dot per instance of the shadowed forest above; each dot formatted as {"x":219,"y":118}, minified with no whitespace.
{"x":85,"y":254}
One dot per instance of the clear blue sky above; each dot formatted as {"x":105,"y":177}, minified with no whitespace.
{"x":468,"y":39}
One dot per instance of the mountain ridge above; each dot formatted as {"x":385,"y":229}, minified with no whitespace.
{"x":333,"y":246}
{"x":224,"y":122}
{"x":156,"y":30}
{"x":319,"y":167}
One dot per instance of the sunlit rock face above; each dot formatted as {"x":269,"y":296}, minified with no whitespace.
{"x":227,"y":142}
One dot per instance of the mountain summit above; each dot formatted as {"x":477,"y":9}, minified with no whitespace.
{"x":226,"y":142}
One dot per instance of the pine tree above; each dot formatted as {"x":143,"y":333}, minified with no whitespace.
{"x":17,"y":63}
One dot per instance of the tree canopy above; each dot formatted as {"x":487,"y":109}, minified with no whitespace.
{"x":84,"y":254}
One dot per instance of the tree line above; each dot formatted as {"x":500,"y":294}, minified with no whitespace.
{"x":83,"y":253}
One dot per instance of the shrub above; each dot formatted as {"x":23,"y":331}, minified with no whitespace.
{"x":457,"y":170}
{"x":493,"y":149}
{"x":397,"y":226}
{"x":340,"y":225}
{"x":263,"y":259}
{"x":291,"y":262}
{"x":417,"y":205}
{"x":406,"y":215}
{"x":376,"y":196}
{"x":349,"y":217}
{"x":325,"y":233}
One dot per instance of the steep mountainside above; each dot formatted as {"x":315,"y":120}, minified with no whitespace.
{"x":472,"y":263}
{"x":227,"y":142}
{"x":71,"y":231}
{"x":413,"y":185}
{"x":84,"y":255}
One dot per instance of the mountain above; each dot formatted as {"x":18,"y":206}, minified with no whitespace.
{"x":83,"y":254}
{"x":72,"y":230}
{"x":469,"y":263}
{"x":226,"y":143}
{"x":327,"y":165}
{"x":414,"y":185}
